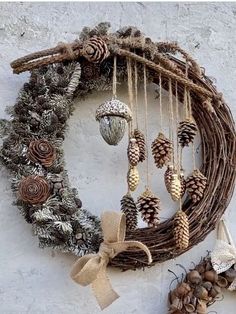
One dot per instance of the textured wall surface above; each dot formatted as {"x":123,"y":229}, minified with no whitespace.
{"x":36,"y":281}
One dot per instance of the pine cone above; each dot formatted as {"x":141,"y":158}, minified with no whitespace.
{"x":133,"y":152}
{"x":196,"y":185}
{"x":128,"y":207}
{"x":181,"y":230}
{"x":182,"y":183}
{"x":42,"y":151}
{"x":168,"y":176}
{"x":56,"y":182}
{"x":95,"y":50}
{"x":187,"y":130}
{"x":34,"y":190}
{"x":161,"y":150}
{"x":149,"y":206}
{"x":138,"y":135}
{"x":175,"y":187}
{"x":133,"y":178}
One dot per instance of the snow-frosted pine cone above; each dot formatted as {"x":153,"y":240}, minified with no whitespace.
{"x":181,"y":230}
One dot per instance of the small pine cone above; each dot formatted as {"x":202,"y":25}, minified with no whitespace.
{"x":133,"y":152}
{"x":133,"y":178}
{"x":196,"y":185}
{"x":162,"y":150}
{"x":128,"y":207}
{"x":182,"y":183}
{"x":187,"y":130}
{"x":57,"y":183}
{"x":168,"y":176}
{"x":181,"y":230}
{"x":138,"y":135}
{"x":149,"y":206}
{"x":42,"y":151}
{"x":95,"y":50}
{"x":175,"y":187}
{"x":34,"y":190}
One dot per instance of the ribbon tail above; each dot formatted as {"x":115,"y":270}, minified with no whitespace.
{"x":103,"y":290}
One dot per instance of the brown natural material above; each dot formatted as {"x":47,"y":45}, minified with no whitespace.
{"x":175,"y":187}
{"x":133,"y":178}
{"x":42,"y":151}
{"x":133,"y":152}
{"x":140,"y":139}
{"x":196,"y":185}
{"x":186,"y":132}
{"x":162,"y":150}
{"x":181,"y":230}
{"x":168,"y":176}
{"x":128,"y":207}
{"x":95,"y":50}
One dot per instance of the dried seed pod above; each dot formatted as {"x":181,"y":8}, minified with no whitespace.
{"x":42,"y":151}
{"x":207,"y":285}
{"x":95,"y":50}
{"x":177,"y":304}
{"x":128,"y":207}
{"x":196,"y":185}
{"x":211,"y":276}
{"x":162,"y":150}
{"x":190,"y":308}
{"x":138,"y":135}
{"x":181,"y":230}
{"x":215,"y":290}
{"x":201,"y":293}
{"x":201,"y":307}
{"x":222,"y":282}
{"x":133,"y":152}
{"x":194,"y":277}
{"x":175,"y":187}
{"x":187,"y":131}
{"x":182,"y":289}
{"x":133,"y":178}
{"x":168,"y":176}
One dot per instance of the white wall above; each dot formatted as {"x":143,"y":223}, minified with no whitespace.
{"x":37,"y":281}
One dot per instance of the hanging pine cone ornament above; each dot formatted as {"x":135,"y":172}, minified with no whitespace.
{"x":133,"y":152}
{"x":168,"y":176}
{"x":138,"y":135}
{"x":34,"y":190}
{"x":162,"y":150}
{"x":112,"y":116}
{"x":175,"y":187}
{"x":181,"y":230}
{"x":187,"y":131}
{"x":196,"y":185}
{"x":95,"y":50}
{"x":149,"y":206}
{"x":128,"y":207}
{"x":182,"y":183}
{"x":42,"y":151}
{"x":133,"y":178}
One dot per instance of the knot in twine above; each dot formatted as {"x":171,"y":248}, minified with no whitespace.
{"x":67,"y":48}
{"x":91,"y":268}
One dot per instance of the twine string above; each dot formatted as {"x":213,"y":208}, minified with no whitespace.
{"x":114,"y":86}
{"x":171,"y":112}
{"x":146,"y":118}
{"x":130,"y":89}
{"x":136,"y":92}
{"x":160,"y":100}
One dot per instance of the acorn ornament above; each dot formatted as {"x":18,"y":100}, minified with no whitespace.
{"x":113,"y":116}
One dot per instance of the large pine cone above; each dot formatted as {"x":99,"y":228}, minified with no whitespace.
{"x":34,"y":190}
{"x":128,"y":207}
{"x":138,"y":135}
{"x":168,"y":176}
{"x":149,"y":206}
{"x":187,"y":131}
{"x":162,"y":150}
{"x":133,"y":152}
{"x":181,"y":230}
{"x":95,"y":50}
{"x":196,"y":185}
{"x":42,"y":151}
{"x":133,"y":178}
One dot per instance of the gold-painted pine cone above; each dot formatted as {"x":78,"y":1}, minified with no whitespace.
{"x":175,"y":187}
{"x":181,"y":230}
{"x":133,"y":178}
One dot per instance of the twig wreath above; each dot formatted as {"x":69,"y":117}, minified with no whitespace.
{"x":32,"y":147}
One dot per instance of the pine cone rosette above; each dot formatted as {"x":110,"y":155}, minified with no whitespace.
{"x":95,"y":50}
{"x":34,"y":190}
{"x":42,"y":151}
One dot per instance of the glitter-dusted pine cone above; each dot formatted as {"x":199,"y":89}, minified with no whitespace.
{"x":133,"y":152}
{"x":133,"y":178}
{"x":175,"y":187}
{"x":95,"y":50}
{"x":128,"y":207}
{"x":149,"y":206}
{"x":181,"y":230}
{"x":34,"y":190}
{"x":42,"y":151}
{"x":187,"y":131}
{"x":196,"y":185}
{"x":138,"y":135}
{"x":182,"y":183}
{"x":162,"y":150}
{"x":168,"y":176}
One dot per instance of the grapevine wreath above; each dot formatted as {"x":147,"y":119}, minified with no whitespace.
{"x":32,"y":145}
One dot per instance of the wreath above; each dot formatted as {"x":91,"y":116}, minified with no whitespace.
{"x":33,"y":138}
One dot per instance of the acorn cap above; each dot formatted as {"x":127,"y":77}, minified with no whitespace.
{"x":114,"y":107}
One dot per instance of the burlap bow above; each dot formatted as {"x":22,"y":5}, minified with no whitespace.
{"x":91,"y":268}
{"x":224,"y":254}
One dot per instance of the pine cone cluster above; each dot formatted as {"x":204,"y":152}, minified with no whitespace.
{"x":187,"y":131}
{"x":196,"y":185}
{"x":95,"y":50}
{"x":149,"y":206}
{"x":128,"y":207}
{"x":34,"y":189}
{"x":42,"y":151}
{"x":181,"y":230}
{"x":162,"y":150}
{"x":140,"y":139}
{"x":133,"y":152}
{"x":175,"y":187}
{"x":133,"y":178}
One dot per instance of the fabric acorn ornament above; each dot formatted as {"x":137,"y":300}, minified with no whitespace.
{"x":187,"y":131}
{"x":149,"y":206}
{"x":140,"y":139}
{"x":34,"y":190}
{"x":175,"y":187}
{"x":133,"y":178}
{"x":133,"y":152}
{"x":113,"y":116}
{"x":128,"y":207}
{"x":162,"y":150}
{"x":181,"y":230}
{"x":42,"y":151}
{"x":95,"y":50}
{"x":196,"y":185}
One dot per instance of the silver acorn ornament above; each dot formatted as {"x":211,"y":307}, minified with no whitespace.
{"x":113,"y":116}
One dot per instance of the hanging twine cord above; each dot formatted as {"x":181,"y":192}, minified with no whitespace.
{"x":160,"y":101}
{"x":171,"y":114}
{"x":146,"y":118}
{"x":114,"y":85}
{"x":130,"y":90}
{"x":136,"y":92}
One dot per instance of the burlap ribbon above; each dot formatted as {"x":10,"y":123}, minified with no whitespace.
{"x":224,"y":254}
{"x":91,"y":268}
